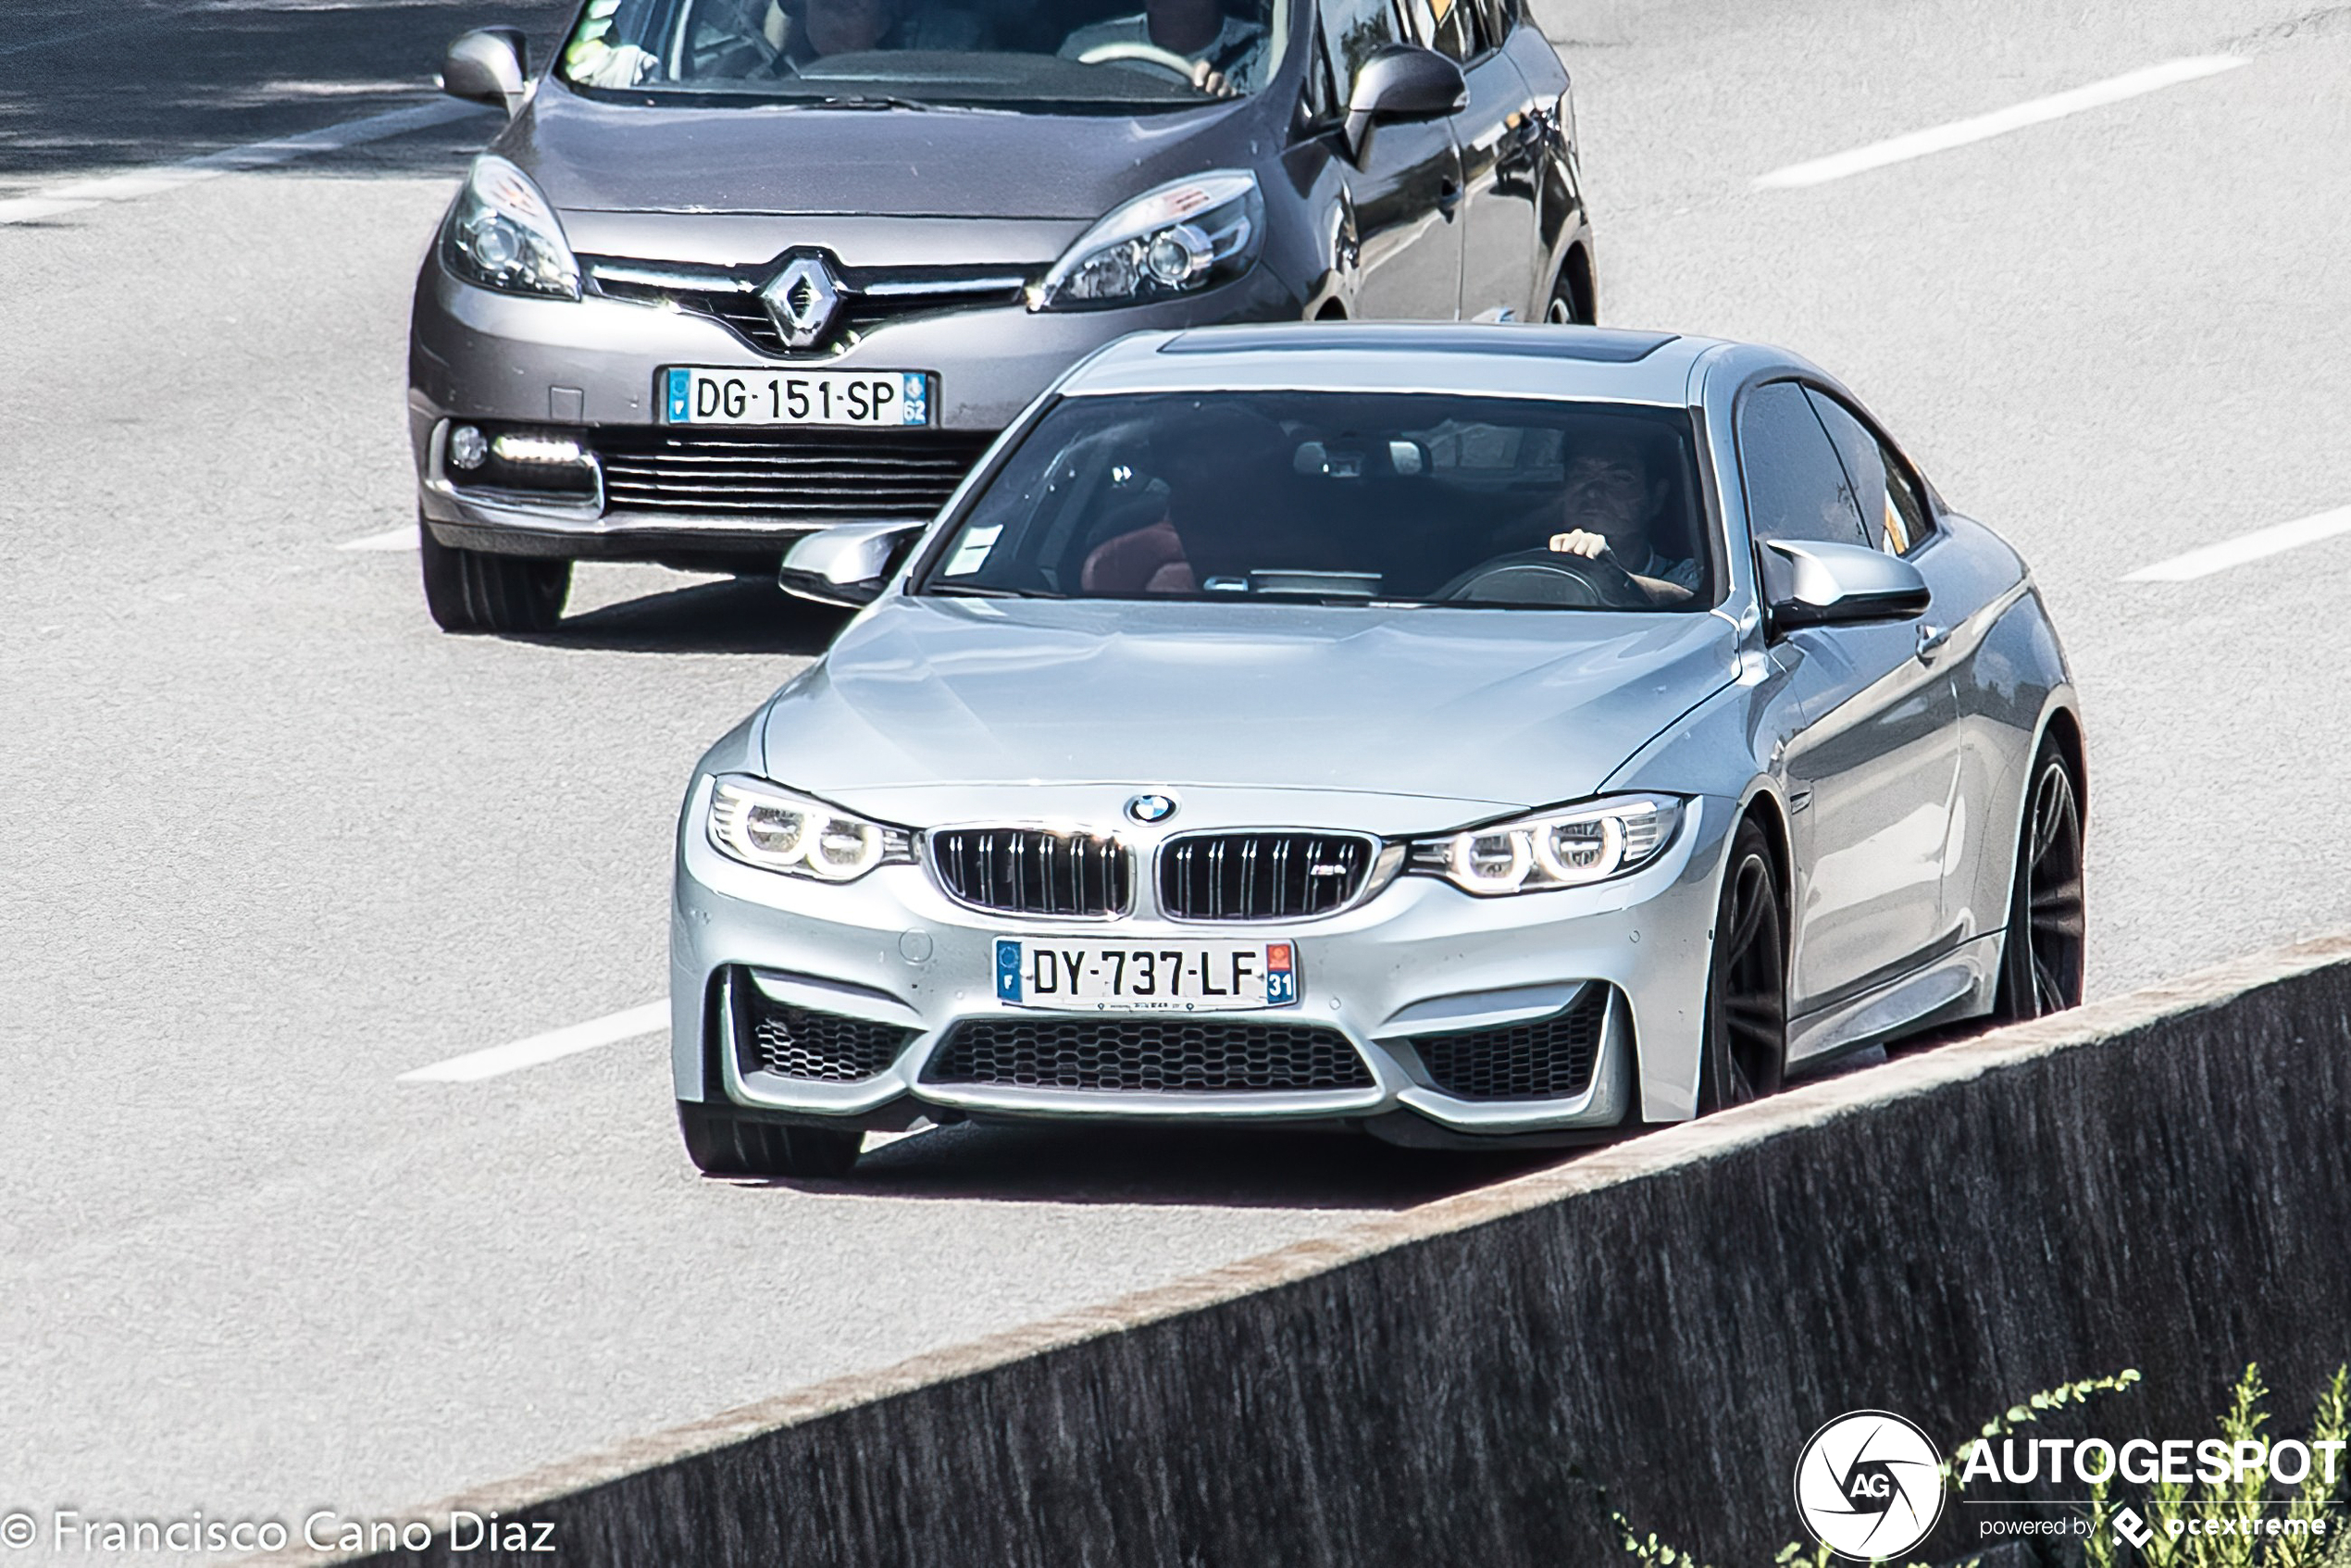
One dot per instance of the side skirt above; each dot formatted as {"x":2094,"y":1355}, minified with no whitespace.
{"x":1958,"y":984}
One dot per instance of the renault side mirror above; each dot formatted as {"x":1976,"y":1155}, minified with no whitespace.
{"x":489,"y":65}
{"x":1401,"y":82}
{"x":1809,"y":582}
{"x":849,"y":564}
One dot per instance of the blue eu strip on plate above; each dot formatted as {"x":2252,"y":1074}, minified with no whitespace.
{"x":1007,"y":970}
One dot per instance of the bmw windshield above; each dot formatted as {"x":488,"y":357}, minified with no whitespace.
{"x":1110,"y":55}
{"x":1339,"y":498}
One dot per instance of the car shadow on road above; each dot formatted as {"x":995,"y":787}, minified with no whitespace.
{"x":1201,"y":1167}
{"x":744,"y":616}
{"x":1198,"y":1166}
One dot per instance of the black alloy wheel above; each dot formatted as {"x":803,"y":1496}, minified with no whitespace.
{"x":1745,"y":1046}
{"x":1563,"y":309}
{"x":723,"y":1145}
{"x":2041,"y":967}
{"x":471,"y":590}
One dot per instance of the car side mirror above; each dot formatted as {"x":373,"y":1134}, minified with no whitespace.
{"x":1808,"y":582}
{"x":489,"y":65}
{"x":1402,"y":81}
{"x":849,"y":564}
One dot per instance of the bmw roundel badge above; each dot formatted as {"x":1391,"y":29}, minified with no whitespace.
{"x":1151,"y":808}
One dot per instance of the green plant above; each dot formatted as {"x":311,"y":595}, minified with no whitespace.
{"x":2244,"y":1498}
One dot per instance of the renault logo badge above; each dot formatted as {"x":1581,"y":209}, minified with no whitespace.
{"x":802,"y":299}
{"x":1151,"y":808}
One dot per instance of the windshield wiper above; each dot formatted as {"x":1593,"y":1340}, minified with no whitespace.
{"x":859,"y":101}
{"x":973,"y":591}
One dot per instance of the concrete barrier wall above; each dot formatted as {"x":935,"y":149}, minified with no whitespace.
{"x":2161,"y":1182}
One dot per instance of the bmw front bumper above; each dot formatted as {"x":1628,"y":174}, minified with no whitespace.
{"x":1414,"y":962}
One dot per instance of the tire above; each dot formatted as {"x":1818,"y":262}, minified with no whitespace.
{"x":723,"y":1145}
{"x":470,"y":591}
{"x":1746,"y":1039}
{"x":2041,"y":962}
{"x":1562,"y":309}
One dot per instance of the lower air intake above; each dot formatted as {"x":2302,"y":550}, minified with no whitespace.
{"x":816,"y":476}
{"x":1149,"y":1055}
{"x":1549,"y":1059}
{"x":800,"y":1042}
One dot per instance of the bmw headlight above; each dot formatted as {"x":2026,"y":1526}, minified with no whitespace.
{"x":1563,"y":848}
{"x":761,"y":825}
{"x":502,"y":234}
{"x":1177,"y":239}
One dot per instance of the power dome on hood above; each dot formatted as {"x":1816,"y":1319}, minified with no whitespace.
{"x":1529,"y":709}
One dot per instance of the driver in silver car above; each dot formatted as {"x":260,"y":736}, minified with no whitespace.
{"x":1226,"y":54}
{"x":1614,"y":499}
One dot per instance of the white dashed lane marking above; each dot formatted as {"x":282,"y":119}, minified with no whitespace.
{"x":552,"y":1046}
{"x":391,"y":539}
{"x":2246,"y":547}
{"x":1999,"y":122}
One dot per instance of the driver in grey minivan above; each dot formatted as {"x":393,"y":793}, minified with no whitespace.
{"x":1226,"y":54}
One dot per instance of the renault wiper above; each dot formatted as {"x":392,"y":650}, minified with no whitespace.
{"x":862,"y":101}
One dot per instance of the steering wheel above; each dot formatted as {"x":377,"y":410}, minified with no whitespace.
{"x":1546,"y":577}
{"x":1168,"y":60}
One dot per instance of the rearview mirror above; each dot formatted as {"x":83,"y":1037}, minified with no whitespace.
{"x":849,"y":564}
{"x":1402,"y":81}
{"x":1810,"y":583}
{"x":489,"y":65}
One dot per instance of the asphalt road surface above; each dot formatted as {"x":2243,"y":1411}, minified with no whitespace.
{"x":268,"y":840}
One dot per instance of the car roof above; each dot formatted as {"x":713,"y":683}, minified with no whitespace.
{"x":1504,"y":359}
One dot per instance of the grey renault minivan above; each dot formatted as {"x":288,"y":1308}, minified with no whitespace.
{"x":741,"y":270}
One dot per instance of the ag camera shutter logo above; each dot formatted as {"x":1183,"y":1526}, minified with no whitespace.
{"x":1869,"y":1484}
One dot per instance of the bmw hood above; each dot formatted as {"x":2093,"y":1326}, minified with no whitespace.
{"x":1487,"y":708}
{"x":589,"y":154}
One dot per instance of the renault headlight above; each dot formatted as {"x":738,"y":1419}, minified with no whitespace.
{"x":1177,"y":239}
{"x":502,"y":234}
{"x":1563,"y":848}
{"x":761,"y":825}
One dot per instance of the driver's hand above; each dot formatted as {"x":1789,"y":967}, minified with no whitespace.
{"x":1211,"y":81}
{"x":1580,"y":541}
{"x":597,"y":63}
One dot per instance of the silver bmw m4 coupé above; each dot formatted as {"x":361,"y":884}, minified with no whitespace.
{"x":1466,"y":734}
